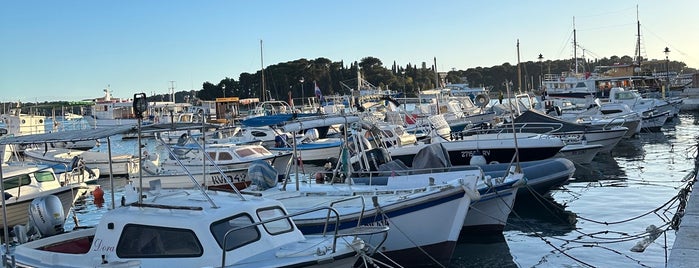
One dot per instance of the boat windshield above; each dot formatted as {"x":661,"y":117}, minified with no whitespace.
{"x":237,"y":238}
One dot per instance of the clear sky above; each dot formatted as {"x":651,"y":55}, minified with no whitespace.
{"x":71,"y":50}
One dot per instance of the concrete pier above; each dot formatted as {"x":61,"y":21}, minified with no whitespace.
{"x":685,"y":250}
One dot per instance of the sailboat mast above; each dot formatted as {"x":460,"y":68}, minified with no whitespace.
{"x":519,"y":70}
{"x":262,"y":63}
{"x":638,"y":39}
{"x":436,"y":74}
{"x":575,"y":47}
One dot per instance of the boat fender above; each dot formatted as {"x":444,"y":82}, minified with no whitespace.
{"x":477,"y":159}
{"x":473,"y":195}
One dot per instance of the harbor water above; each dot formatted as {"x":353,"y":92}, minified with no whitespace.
{"x":593,"y":220}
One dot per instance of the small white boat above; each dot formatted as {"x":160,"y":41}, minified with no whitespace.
{"x":72,"y":116}
{"x":225,"y":156}
{"x":178,"y":177}
{"x":24,"y":183}
{"x":121,"y":164}
{"x":310,"y":148}
{"x":79,"y":173}
{"x":582,"y":153}
{"x":178,"y":228}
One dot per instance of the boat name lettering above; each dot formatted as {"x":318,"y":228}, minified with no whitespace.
{"x":570,"y":137}
{"x":470,"y":153}
{"x":98,"y":246}
{"x":217,"y":179}
{"x":383,"y":222}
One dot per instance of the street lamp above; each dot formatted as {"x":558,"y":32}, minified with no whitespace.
{"x":302,"y":95}
{"x":223,"y":88}
{"x":667,"y":69}
{"x":541,"y":72}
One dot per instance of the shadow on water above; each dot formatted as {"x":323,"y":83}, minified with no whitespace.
{"x":603,"y":167}
{"x":482,"y":251}
{"x":541,"y":214}
{"x":631,"y":149}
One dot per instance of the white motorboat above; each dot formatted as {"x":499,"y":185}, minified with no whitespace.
{"x":310,"y":148}
{"x":157,"y":229}
{"x":407,"y":203}
{"x":24,"y":183}
{"x":225,"y":156}
{"x":581,"y":153}
{"x":121,"y":164}
{"x":607,"y":115}
{"x":570,"y":132}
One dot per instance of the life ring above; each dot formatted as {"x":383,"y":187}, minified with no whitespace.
{"x":481,"y":100}
{"x":563,"y":78}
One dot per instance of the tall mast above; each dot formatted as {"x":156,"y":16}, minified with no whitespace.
{"x":436,"y":75}
{"x":638,"y":39}
{"x":575,"y":47}
{"x":519,"y":70}
{"x":262,"y":63}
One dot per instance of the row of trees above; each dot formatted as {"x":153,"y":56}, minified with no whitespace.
{"x":296,"y":78}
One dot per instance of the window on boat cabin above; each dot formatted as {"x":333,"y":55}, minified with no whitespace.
{"x":212,"y":155}
{"x":222,"y":156}
{"x":244,"y":152}
{"x":44,"y":176}
{"x":278,"y":226}
{"x":581,"y":85}
{"x":258,"y":133}
{"x":16,"y":181}
{"x":145,"y":241}
{"x":611,"y":111}
{"x":624,"y":96}
{"x":261,"y":150}
{"x":239,"y":229}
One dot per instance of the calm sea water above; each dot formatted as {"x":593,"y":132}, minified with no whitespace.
{"x":627,"y":189}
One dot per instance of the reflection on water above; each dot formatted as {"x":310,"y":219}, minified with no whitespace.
{"x":542,"y":215}
{"x":482,"y":251}
{"x":604,"y":167}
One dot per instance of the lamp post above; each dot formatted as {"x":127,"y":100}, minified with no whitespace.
{"x":223,"y":88}
{"x":541,"y":72}
{"x":667,"y":69}
{"x":302,"y":95}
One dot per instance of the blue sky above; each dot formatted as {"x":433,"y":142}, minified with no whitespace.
{"x":71,"y":50}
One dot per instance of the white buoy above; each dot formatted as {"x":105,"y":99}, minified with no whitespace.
{"x":477,"y":159}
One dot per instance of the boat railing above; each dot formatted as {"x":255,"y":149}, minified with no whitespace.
{"x":383,"y":174}
{"x":505,"y":132}
{"x":364,"y":230}
{"x":361,"y":213}
{"x":194,"y":181}
{"x":536,"y":127}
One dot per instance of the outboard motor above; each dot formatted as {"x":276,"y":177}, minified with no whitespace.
{"x":262,"y":175}
{"x":46,"y":214}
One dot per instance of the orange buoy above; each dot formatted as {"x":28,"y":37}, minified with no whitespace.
{"x":98,"y":193}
